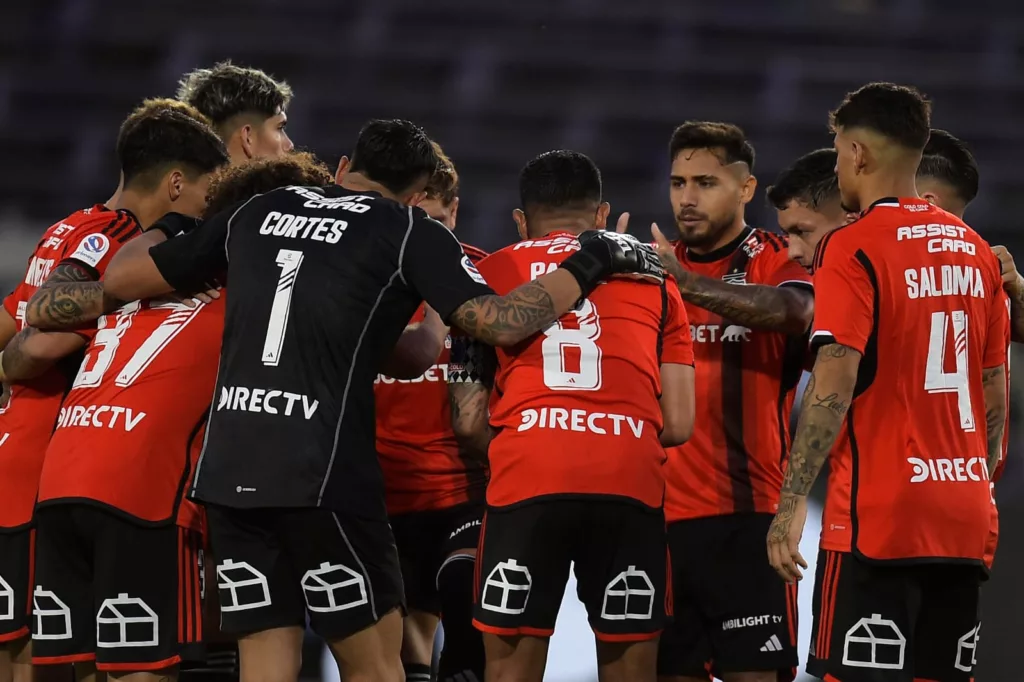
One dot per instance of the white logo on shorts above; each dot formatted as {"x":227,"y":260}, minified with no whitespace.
{"x":967,"y":650}
{"x":53,"y":617}
{"x":507,"y":588}
{"x":333,"y":587}
{"x":241,"y":587}
{"x":629,"y":596}
{"x":874,"y":642}
{"x":126,"y":621}
{"x":6,"y":596}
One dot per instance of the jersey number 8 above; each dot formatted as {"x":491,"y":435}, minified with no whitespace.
{"x":564,"y":346}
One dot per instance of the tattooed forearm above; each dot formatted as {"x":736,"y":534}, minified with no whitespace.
{"x":994,"y":383}
{"x":507,"y":320}
{"x":782,"y":309}
{"x":825,"y":404}
{"x":470,"y":417}
{"x":19,"y":365}
{"x":69,"y":298}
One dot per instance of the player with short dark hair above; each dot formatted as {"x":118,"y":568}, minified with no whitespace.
{"x":908,"y":394}
{"x":434,"y":490}
{"x":948,"y":174}
{"x":749,"y":307}
{"x":167,"y":155}
{"x":326,"y":279}
{"x":575,"y":441}
{"x":247,"y":106}
{"x":806,"y":198}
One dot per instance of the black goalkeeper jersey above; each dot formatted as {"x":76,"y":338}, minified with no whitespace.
{"x":321,"y":282}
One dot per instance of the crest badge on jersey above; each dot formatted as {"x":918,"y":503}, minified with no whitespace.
{"x":92,"y":249}
{"x":471,"y":270}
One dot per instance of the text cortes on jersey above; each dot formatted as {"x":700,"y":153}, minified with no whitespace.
{"x":317,"y":228}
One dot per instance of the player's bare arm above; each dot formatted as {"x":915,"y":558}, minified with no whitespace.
{"x":69,"y":298}
{"x":1013,"y":282}
{"x":825,"y":404}
{"x":471,"y":369}
{"x":994,"y":382}
{"x":788,"y":310}
{"x":31,"y":352}
{"x":678,"y":403}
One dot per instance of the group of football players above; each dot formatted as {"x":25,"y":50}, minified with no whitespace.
{"x":643,"y":440}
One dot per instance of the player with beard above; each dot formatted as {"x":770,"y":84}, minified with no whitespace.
{"x":749,"y":307}
{"x":806,"y":200}
{"x":434,"y":491}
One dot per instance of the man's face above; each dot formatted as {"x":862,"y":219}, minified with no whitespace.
{"x":806,"y":226}
{"x":706,"y":196}
{"x":846,"y":171}
{"x":270,"y":138}
{"x":441,"y":212}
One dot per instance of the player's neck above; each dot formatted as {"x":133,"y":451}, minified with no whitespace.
{"x":357,"y":182}
{"x":146,"y":209}
{"x":895,"y":183}
{"x":728,"y":236}
{"x":573,"y":226}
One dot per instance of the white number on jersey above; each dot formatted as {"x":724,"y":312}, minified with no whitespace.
{"x":936,"y":379}
{"x":582,"y":346}
{"x":108,"y":339}
{"x":290,"y":261}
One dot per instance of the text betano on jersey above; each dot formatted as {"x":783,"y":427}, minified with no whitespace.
{"x":419,"y":455}
{"x":130,"y":431}
{"x":578,"y":409}
{"x":919,"y":294}
{"x":89,"y":237}
{"x":745,"y":385}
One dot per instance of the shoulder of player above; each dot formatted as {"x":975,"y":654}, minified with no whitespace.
{"x":118,"y":225}
{"x":476,"y":255}
{"x":773,"y":242}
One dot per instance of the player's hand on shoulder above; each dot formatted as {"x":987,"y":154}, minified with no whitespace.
{"x":625,"y":254}
{"x":1007,"y":267}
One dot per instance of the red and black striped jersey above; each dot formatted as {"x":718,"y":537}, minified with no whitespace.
{"x":415,"y":442}
{"x":89,"y":237}
{"x":745,"y":384}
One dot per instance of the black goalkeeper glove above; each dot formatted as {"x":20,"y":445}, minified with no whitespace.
{"x":603,"y":254}
{"x":173,"y":224}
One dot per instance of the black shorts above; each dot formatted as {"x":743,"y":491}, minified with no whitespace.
{"x":123,"y":594}
{"x":276,"y":565}
{"x":16,"y":561}
{"x":732,"y":611}
{"x":428,"y":539}
{"x":620,"y":556}
{"x":877,"y":623}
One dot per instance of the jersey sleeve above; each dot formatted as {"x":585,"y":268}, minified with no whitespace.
{"x":844,"y":301}
{"x":197,"y":256}
{"x":434,"y":265}
{"x":95,"y":243}
{"x":677,"y":344}
{"x":774,"y":268}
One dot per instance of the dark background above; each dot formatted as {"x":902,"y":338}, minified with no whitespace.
{"x":497,"y":82}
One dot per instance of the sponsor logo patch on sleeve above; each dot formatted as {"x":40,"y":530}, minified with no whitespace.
{"x":92,"y":249}
{"x":471,"y":270}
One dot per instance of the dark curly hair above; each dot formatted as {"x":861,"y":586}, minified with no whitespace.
{"x":238,"y":183}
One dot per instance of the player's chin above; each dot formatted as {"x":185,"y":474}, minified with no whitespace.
{"x":694,"y":232}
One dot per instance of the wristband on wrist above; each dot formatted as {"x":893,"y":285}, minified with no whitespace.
{"x":587,"y":268}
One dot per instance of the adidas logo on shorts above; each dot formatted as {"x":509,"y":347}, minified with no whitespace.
{"x":772,"y":644}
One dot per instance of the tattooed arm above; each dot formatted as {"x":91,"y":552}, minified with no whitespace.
{"x":781,"y":309}
{"x":32,"y":352}
{"x":471,"y":371}
{"x":994,"y":382}
{"x":1015,"y":290}
{"x":70,"y":297}
{"x":825,"y":403}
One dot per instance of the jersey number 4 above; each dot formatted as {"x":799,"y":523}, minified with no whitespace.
{"x":936,"y":378}
{"x":572,"y":358}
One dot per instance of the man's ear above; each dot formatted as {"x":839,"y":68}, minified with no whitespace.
{"x":749,"y":187}
{"x":601,"y":220}
{"x":414,"y":199}
{"x":175,"y":183}
{"x":931,"y":197}
{"x":520,"y":218}
{"x":247,"y":139}
{"x":453,"y":213}
{"x":343,"y":166}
